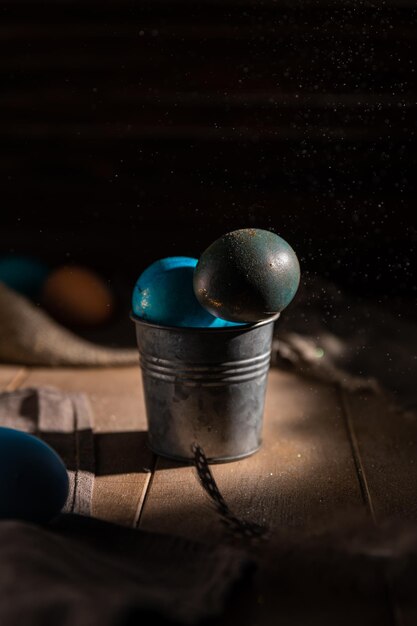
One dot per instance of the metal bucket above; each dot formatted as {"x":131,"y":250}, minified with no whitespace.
{"x":204,"y":385}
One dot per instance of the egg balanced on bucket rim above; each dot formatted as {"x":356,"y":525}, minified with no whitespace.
{"x":247,"y":275}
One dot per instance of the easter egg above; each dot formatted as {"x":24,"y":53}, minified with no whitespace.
{"x":77,"y":296}
{"x":23,"y":274}
{"x":33,"y":478}
{"x":164,"y":294}
{"x":247,"y":275}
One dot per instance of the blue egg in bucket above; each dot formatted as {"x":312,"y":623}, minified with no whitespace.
{"x":164,"y":295}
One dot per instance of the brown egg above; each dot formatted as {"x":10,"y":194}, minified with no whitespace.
{"x":77,"y":296}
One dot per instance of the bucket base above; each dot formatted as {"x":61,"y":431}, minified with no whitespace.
{"x":190,"y":460}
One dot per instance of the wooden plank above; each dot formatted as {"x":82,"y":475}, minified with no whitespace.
{"x":123,"y":460}
{"x":303,"y":476}
{"x":11,"y":377}
{"x":384,"y":439}
{"x":115,"y":393}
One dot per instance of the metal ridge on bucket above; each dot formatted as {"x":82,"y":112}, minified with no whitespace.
{"x":206,"y":375}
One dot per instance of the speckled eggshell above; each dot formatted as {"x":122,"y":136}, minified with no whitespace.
{"x":164,"y":295}
{"x":247,"y":275}
{"x":33,"y":478}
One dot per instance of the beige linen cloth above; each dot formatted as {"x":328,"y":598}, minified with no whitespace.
{"x":28,"y":336}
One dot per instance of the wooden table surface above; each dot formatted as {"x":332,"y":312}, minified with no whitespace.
{"x":327,"y":455}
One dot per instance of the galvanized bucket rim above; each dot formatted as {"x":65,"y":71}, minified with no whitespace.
{"x":198,"y":330}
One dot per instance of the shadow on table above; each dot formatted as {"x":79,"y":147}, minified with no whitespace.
{"x":125,"y":452}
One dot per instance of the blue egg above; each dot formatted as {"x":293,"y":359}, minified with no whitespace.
{"x":23,"y":274}
{"x":164,"y":294}
{"x":33,"y":479}
{"x":220,"y":323}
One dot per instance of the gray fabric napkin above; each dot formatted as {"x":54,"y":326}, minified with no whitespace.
{"x":64,"y":421}
{"x":81,"y":571}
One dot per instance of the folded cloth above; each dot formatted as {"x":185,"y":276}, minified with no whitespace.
{"x":28,"y":336}
{"x":64,"y":421}
{"x":85,"y":572}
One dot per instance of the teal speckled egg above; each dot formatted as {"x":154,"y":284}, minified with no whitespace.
{"x":247,"y":275}
{"x":33,"y":479}
{"x":164,"y":294}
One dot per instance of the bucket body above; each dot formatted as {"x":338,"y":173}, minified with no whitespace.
{"x":205,"y":386}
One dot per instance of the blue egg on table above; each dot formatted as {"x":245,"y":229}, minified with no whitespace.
{"x":247,"y":275}
{"x":23,"y":274}
{"x":33,"y":479}
{"x":164,"y":294}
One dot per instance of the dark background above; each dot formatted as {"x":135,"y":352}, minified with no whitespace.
{"x":136,"y":130}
